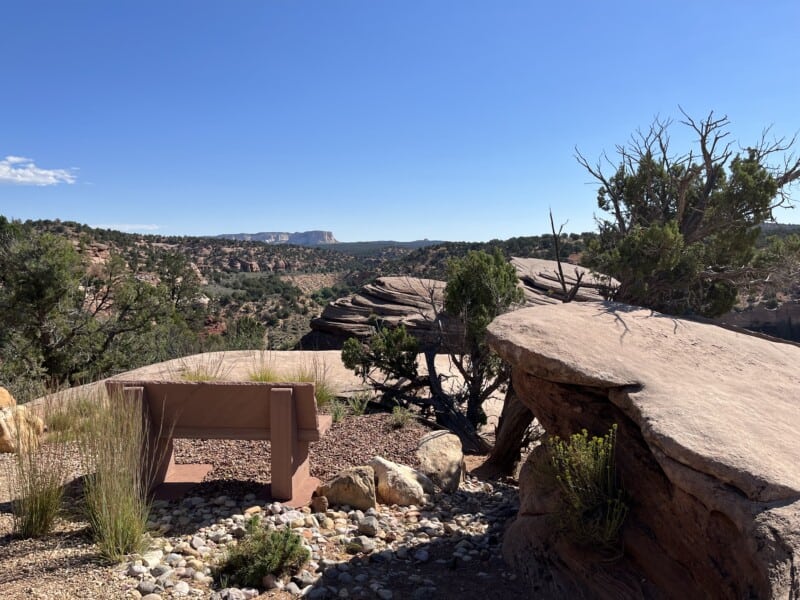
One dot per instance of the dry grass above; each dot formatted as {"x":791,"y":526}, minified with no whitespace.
{"x":203,"y":367}
{"x":264,"y":370}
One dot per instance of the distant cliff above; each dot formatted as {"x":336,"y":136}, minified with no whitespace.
{"x":299,"y":238}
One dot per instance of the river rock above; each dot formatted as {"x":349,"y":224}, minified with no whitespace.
{"x":354,"y":487}
{"x":441,"y":458}
{"x":399,"y":484}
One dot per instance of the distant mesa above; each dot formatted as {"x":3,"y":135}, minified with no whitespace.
{"x":298,"y":238}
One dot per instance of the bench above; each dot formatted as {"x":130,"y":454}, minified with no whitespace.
{"x":283,"y":413}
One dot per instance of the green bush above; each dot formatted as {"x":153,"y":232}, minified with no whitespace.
{"x":400,"y":417}
{"x":338,"y":410}
{"x":593,"y":507}
{"x":262,"y":553}
{"x":359,"y":402}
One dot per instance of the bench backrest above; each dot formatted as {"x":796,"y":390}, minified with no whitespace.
{"x":221,"y":409}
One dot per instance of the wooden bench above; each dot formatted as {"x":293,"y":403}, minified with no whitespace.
{"x":283,"y":413}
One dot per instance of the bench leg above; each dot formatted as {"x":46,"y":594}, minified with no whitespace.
{"x":159,"y":454}
{"x":283,"y":438}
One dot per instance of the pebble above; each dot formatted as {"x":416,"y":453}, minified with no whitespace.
{"x":180,"y":565}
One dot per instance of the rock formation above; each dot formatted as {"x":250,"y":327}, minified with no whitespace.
{"x":19,"y":427}
{"x":390,"y":300}
{"x":302,"y":238}
{"x":706,"y":450}
{"x":411,"y":301}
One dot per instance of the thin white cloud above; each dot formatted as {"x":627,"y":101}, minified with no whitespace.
{"x":19,"y":170}
{"x":128,"y":227}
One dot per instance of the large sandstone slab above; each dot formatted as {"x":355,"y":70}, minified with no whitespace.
{"x":709,"y":421}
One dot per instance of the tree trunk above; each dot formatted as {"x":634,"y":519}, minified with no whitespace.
{"x":511,"y":428}
{"x":449,"y":416}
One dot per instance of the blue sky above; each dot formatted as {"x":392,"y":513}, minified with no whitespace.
{"x":375,"y":119}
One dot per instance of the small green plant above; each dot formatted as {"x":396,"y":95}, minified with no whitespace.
{"x":358,"y":403}
{"x":111,"y":450}
{"x":262,"y":552}
{"x":593,"y":506}
{"x":338,"y":410}
{"x":317,"y":372}
{"x":204,"y":367}
{"x":400,"y":417}
{"x":38,"y":475}
{"x":264,"y":371}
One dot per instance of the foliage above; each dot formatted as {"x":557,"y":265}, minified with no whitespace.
{"x":682,"y":229}
{"x":359,"y":402}
{"x":115,"y":487}
{"x":391,"y":353}
{"x":337,"y":409}
{"x":480,"y":287}
{"x":37,"y":478}
{"x":316,"y":371}
{"x":261,"y":553}
{"x":400,"y":417}
{"x":593,"y":506}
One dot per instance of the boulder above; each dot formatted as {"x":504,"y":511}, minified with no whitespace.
{"x":541,"y":282}
{"x":6,"y":399}
{"x":706,"y":450}
{"x":399,"y":484}
{"x":411,"y":301}
{"x":441,"y":459}
{"x":354,"y":487}
{"x":17,"y":425}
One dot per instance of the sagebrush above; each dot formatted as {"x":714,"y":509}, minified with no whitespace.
{"x":593,"y":506}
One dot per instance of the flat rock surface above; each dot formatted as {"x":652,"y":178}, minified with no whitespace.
{"x":723,"y":403}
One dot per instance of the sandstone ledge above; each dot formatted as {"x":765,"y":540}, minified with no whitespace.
{"x":707,"y":445}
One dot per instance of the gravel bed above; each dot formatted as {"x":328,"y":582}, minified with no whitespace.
{"x":419,"y":557}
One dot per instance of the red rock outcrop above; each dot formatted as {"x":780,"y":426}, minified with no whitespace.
{"x":706,"y":450}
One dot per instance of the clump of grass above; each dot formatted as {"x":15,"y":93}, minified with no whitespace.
{"x":400,"y":417}
{"x":338,"y":410}
{"x":593,"y":507}
{"x":115,"y":487}
{"x":261,"y":553}
{"x":205,"y":367}
{"x":358,"y":403}
{"x":317,"y":372}
{"x":264,"y":371}
{"x":38,"y":475}
{"x":71,"y":414}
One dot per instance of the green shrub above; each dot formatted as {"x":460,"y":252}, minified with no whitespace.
{"x":592,"y":504}
{"x":400,"y":417}
{"x":115,"y":485}
{"x":338,"y":410}
{"x":359,"y":402}
{"x":262,"y":553}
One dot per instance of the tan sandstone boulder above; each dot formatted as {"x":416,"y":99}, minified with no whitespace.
{"x":6,"y":399}
{"x":441,"y":458}
{"x":18,"y":425}
{"x":354,"y":487}
{"x":399,"y":484}
{"x":707,"y":450}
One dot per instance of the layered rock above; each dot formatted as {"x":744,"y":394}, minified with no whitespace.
{"x":706,"y":451}
{"x":411,"y":301}
{"x":415,"y":302}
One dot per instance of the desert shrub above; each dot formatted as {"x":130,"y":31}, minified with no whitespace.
{"x":338,"y":410}
{"x":115,"y":486}
{"x":37,"y":478}
{"x":400,"y":417}
{"x":359,"y":402}
{"x":592,"y":503}
{"x":261,"y":553}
